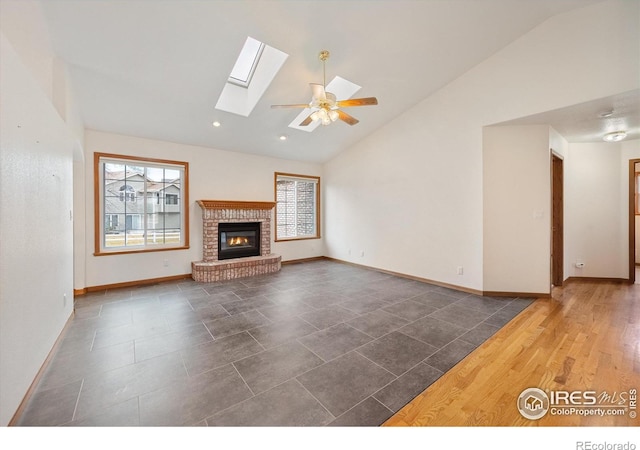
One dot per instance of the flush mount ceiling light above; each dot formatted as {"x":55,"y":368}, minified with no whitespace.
{"x":606,"y":114}
{"x":615,"y":136}
{"x":216,"y":124}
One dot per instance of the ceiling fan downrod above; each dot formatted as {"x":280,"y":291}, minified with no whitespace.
{"x":324,"y":55}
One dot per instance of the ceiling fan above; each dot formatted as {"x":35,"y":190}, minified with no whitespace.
{"x":326,"y":108}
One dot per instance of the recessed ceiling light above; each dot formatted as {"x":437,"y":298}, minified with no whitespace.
{"x":615,"y":136}
{"x":283,"y":137}
{"x":216,"y":124}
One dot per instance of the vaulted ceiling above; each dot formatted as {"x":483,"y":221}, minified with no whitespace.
{"x":156,"y":68}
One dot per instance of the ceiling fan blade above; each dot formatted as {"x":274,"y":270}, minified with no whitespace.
{"x":357,"y":102}
{"x":297,"y":105}
{"x":318,"y":91}
{"x":346,"y":117}
{"x":306,"y":121}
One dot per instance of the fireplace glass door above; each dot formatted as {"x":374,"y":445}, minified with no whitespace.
{"x":238,"y":240}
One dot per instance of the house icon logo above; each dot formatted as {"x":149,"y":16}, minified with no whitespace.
{"x":533,"y":403}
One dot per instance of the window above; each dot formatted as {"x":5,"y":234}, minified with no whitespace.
{"x":140,"y":204}
{"x":297,"y":206}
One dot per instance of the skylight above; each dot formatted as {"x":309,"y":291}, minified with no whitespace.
{"x":254,"y":70}
{"x":247,"y":62}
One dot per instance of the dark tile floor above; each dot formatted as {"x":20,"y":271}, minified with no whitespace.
{"x":319,"y":343}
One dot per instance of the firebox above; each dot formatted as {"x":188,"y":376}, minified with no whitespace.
{"x":238,"y":240}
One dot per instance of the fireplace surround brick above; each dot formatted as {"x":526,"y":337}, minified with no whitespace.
{"x":210,"y":269}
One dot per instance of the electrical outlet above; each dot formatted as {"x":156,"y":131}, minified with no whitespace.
{"x":460,"y":270}
{"x":362,"y":253}
{"x":64,"y":300}
{"x":166,"y":263}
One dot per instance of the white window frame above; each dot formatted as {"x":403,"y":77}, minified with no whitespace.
{"x":147,"y":243}
{"x":316,"y":207}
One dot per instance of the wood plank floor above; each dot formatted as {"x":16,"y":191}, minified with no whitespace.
{"x":586,"y":337}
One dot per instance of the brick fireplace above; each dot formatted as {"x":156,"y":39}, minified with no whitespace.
{"x":215,"y":212}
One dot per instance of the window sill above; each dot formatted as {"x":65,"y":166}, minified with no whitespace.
{"x":146,"y":250}
{"x":305,"y":238}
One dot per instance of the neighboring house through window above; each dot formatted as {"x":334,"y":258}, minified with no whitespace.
{"x":110,"y":222}
{"x":171,"y":199}
{"x":297,"y":206}
{"x":141,"y":204}
{"x":127,"y":193}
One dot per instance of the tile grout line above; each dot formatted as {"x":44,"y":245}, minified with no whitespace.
{"x":253,"y":394}
{"x":314,"y":397}
{"x":93,"y":340}
{"x":75,"y":407}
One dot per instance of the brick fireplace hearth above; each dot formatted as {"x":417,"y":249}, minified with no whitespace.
{"x":214,"y":212}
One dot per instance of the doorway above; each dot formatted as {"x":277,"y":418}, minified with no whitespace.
{"x":557,"y":220}
{"x":634,"y":170}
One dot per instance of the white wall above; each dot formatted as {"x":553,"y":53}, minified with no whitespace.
{"x":593,"y":212}
{"x":517,"y":209}
{"x":24,"y":24}
{"x":410,"y":197}
{"x":80,"y":193}
{"x":423,"y":171}
{"x":36,"y":157}
{"x":213,"y":175}
{"x":595,"y":202}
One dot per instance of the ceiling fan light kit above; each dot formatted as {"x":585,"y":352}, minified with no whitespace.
{"x":326,"y":116}
{"x":326,"y":108}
